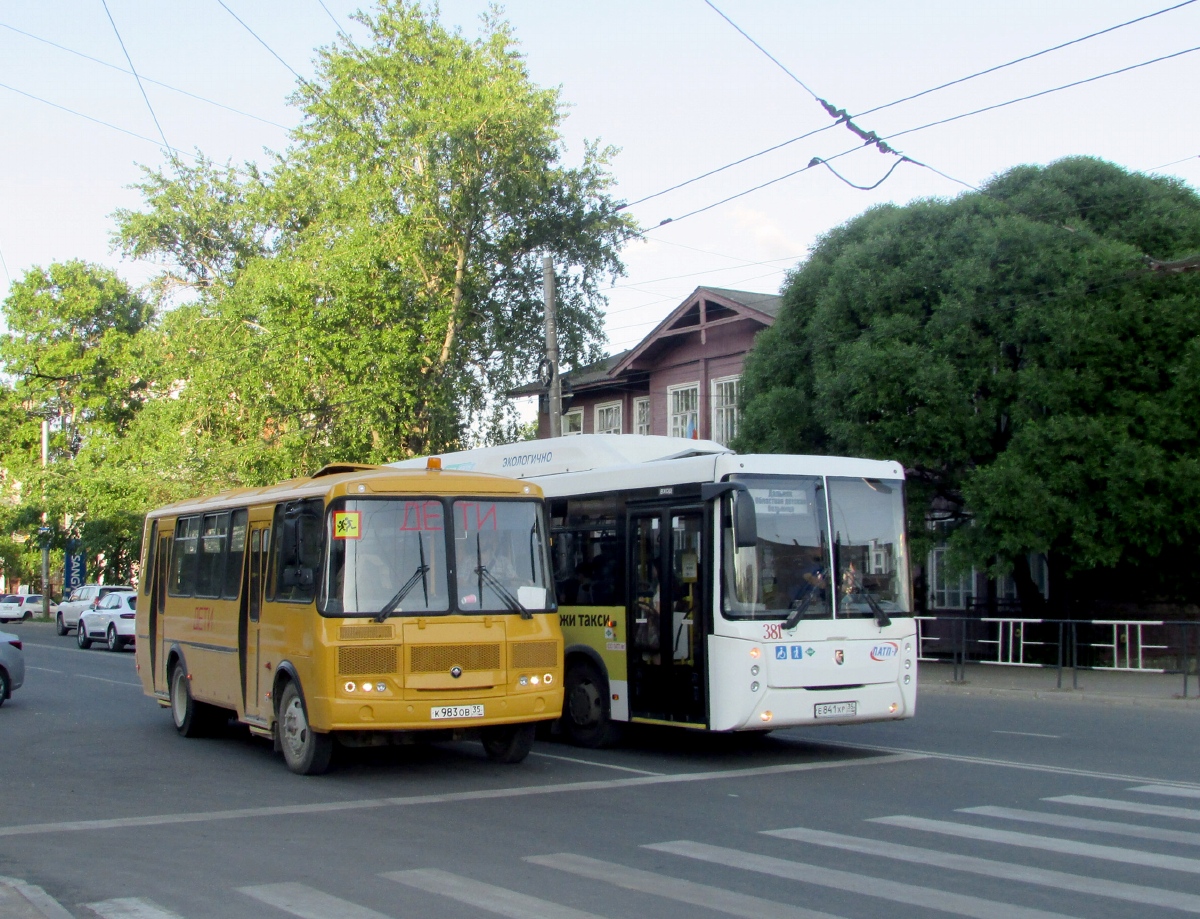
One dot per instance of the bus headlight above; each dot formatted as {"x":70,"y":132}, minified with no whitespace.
{"x":548,"y":679}
{"x":755,"y":652}
{"x":908,"y":665}
{"x":754,"y":670}
{"x":380,"y":687}
{"x":754,"y":686}
{"x":907,"y":678}
{"x":523,"y":681}
{"x":765,"y":717}
{"x":350,"y":687}
{"x":533,"y":680}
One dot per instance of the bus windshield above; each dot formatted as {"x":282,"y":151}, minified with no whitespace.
{"x":796,"y":571}
{"x":500,"y":556}
{"x":386,"y":552}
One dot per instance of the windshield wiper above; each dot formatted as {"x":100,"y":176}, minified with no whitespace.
{"x":422,"y":570}
{"x":801,"y":607}
{"x":881,"y":618}
{"x":486,"y":577}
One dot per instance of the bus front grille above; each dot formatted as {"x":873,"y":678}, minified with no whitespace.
{"x":440,"y":658}
{"x":535,"y":654}
{"x":364,"y":632}
{"x":367,"y":661}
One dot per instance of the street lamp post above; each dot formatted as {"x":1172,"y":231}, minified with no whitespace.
{"x":44,"y":537}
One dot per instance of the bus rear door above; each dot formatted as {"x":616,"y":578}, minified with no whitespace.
{"x":667,"y":614}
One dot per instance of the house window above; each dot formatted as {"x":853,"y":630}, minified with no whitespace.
{"x":641,"y":416}
{"x":724,"y":409}
{"x":572,"y":422}
{"x":684,"y":404}
{"x":948,"y":591}
{"x":608,"y":418}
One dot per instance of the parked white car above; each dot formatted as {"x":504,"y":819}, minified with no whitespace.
{"x":112,"y":621}
{"x":12,"y":665}
{"x":23,"y":606}
{"x":81,"y":598}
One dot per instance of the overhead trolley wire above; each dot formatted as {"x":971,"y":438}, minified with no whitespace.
{"x":141,"y":88}
{"x":146,"y":79}
{"x":886,"y":105}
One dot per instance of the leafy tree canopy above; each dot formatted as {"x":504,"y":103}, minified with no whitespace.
{"x":1021,"y":351}
{"x":379,"y":289}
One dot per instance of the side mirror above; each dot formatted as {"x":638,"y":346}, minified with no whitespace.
{"x":745,"y":522}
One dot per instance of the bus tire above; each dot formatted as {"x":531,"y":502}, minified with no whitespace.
{"x":306,"y":752}
{"x":586,"y":713}
{"x":81,"y":637}
{"x":191,"y":718}
{"x":508,"y":743}
{"x":59,"y":626}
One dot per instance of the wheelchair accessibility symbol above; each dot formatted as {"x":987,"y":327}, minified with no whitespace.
{"x":781,"y":652}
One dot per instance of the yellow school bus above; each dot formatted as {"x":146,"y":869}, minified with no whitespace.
{"x":364,"y":604}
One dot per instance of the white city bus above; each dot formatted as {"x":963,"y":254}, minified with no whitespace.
{"x":704,"y":589}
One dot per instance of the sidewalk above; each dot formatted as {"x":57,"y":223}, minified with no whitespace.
{"x":19,"y":900}
{"x":1104,"y":686}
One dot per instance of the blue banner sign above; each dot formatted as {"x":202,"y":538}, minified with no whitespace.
{"x":74,"y":572}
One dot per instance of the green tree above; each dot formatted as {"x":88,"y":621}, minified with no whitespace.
{"x":378,"y":291}
{"x":71,"y":359}
{"x":1017,"y":350}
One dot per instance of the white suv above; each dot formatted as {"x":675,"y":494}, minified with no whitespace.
{"x":81,"y":598}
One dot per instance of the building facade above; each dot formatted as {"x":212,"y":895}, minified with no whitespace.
{"x":681,"y":380}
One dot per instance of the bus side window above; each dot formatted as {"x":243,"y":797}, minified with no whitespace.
{"x":185,"y":551}
{"x":237,"y":552}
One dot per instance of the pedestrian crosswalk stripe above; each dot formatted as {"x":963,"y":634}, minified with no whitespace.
{"x":308,"y":903}
{"x":488,"y":897}
{"x":1112,"y":804}
{"x":1172,"y":790}
{"x":130,"y":908}
{"x":854,"y":883}
{"x":1113,"y":890}
{"x":714,"y":898}
{"x":1183,"y":837}
{"x":1045,"y":843}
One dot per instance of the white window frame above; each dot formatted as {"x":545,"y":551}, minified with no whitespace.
{"x":598,"y":427}
{"x":725,"y":418}
{"x":952,"y":594}
{"x":640,"y":426}
{"x":678,"y":421}
{"x":572,"y":419}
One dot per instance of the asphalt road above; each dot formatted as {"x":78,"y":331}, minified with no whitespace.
{"x":1088,"y":811}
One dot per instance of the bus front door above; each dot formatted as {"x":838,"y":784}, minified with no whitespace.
{"x":250,"y":643}
{"x":158,"y":613}
{"x":667,"y":616}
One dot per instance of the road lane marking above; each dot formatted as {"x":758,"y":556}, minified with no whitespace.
{"x":1045,"y":843}
{"x":1059,"y":880}
{"x":1011,"y":764}
{"x":307,"y":902}
{"x":589,"y":762}
{"x":1028,"y":734}
{"x":131,"y":908}
{"x":84,"y":676}
{"x":42,"y":669}
{"x":487,"y":897}
{"x":1149,"y":810}
{"x":1168,"y":790}
{"x":1083,"y":823}
{"x":75,"y":826}
{"x":853,"y":882}
{"x":714,"y":898}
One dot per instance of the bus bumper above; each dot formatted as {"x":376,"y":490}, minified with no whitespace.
{"x":382,"y":714}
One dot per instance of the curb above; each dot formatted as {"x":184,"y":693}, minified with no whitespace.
{"x":1063,"y":695}
{"x":19,"y":900}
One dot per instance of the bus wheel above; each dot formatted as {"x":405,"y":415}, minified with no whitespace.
{"x":585,"y":706}
{"x":192,"y":718}
{"x":306,"y":752}
{"x":508,"y":743}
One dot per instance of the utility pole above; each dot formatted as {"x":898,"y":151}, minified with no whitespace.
{"x":44,"y":531}
{"x":555,"y":397}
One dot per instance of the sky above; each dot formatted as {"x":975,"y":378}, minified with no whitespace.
{"x":671,"y":83}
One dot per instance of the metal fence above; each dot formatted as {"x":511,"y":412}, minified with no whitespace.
{"x":1143,"y":646}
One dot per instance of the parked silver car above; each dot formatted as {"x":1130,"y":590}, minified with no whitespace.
{"x":12,"y":665}
{"x":81,"y":598}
